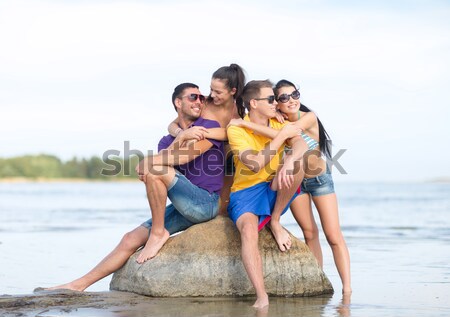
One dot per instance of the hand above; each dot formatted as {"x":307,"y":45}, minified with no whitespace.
{"x":197,"y":133}
{"x":285,"y":176}
{"x":142,"y":170}
{"x":290,"y":130}
{"x":280,"y":117}
{"x":236,"y":122}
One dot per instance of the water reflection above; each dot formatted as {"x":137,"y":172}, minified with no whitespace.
{"x":343,"y":309}
{"x":119,"y":304}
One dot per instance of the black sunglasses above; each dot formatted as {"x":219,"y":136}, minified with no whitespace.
{"x":285,"y":97}
{"x":194,"y":97}
{"x":269,"y":99}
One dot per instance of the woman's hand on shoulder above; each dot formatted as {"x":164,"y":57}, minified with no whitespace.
{"x":281,"y":117}
{"x":236,"y":122}
{"x":194,"y":133}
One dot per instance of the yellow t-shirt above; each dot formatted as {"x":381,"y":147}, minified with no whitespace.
{"x":242,"y":139}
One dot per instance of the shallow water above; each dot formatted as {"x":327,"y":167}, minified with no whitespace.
{"x":398,"y":236}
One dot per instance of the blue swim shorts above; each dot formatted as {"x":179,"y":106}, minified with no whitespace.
{"x":258,"y":199}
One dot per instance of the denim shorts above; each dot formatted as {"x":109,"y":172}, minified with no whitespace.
{"x":318,"y":186}
{"x":190,"y":204}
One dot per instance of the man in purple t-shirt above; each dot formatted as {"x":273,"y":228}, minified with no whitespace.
{"x":190,"y":176}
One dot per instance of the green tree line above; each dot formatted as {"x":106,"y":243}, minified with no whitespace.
{"x":49,"y":166}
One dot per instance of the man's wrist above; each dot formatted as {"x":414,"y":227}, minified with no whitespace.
{"x":178,"y":131}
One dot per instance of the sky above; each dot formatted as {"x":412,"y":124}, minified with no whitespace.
{"x":79,"y":78}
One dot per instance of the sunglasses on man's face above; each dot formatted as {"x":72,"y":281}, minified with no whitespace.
{"x":269,"y":99}
{"x":285,"y":97}
{"x":194,"y":97}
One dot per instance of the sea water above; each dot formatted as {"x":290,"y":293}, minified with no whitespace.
{"x":398,"y":236}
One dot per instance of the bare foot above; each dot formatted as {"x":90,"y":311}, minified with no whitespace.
{"x":344,"y":307}
{"x":152,"y":247}
{"x":347,"y":291}
{"x":281,"y":236}
{"x":70,"y":286}
{"x":262,"y":312}
{"x":261,"y":302}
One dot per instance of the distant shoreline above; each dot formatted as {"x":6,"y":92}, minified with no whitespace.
{"x":20,"y":180}
{"x":17,"y":180}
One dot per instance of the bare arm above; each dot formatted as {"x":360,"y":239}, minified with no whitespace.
{"x":256,"y":161}
{"x":285,"y":177}
{"x":175,"y":155}
{"x":181,"y":155}
{"x":268,"y":132}
{"x":307,"y":121}
{"x":174,"y":128}
{"x":219,"y":134}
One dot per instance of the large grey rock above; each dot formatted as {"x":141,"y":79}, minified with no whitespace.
{"x":205,"y":260}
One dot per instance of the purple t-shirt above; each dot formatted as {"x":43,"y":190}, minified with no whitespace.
{"x":207,"y":170}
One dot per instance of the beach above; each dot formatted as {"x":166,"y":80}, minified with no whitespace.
{"x":398,"y":236}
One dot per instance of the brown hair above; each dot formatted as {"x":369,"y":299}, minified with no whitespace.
{"x":251,"y":91}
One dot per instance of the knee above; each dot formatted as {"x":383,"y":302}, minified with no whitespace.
{"x":335,"y":238}
{"x":151,"y":176}
{"x":160,"y":173}
{"x":249,"y":232}
{"x":129,"y":242}
{"x":311,"y":233}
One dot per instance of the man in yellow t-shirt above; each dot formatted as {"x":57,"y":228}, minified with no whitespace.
{"x":263,"y":185}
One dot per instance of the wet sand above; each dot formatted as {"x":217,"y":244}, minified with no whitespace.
{"x":115,"y":304}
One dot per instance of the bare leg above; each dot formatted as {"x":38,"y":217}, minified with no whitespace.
{"x":283,"y":197}
{"x":112,"y":262}
{"x":302,"y":210}
{"x":247,"y":225}
{"x":328,"y":211}
{"x":156,"y":185}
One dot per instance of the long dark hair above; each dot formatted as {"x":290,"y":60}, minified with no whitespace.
{"x":324,"y":138}
{"x":234,"y":77}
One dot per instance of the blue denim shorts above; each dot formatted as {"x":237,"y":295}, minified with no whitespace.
{"x":190,"y":204}
{"x":318,"y":186}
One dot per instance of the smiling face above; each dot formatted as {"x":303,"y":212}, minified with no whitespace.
{"x":292,"y":105}
{"x":262,"y":104}
{"x":220,"y":93}
{"x":188,"y":108}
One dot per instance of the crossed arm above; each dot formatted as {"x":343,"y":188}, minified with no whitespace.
{"x":197,"y":133}
{"x":174,"y":155}
{"x":255,"y":161}
{"x":307,"y":121}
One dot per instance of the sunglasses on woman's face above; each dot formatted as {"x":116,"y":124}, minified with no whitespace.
{"x":269,"y":99}
{"x":194,"y":97}
{"x":285,"y":97}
